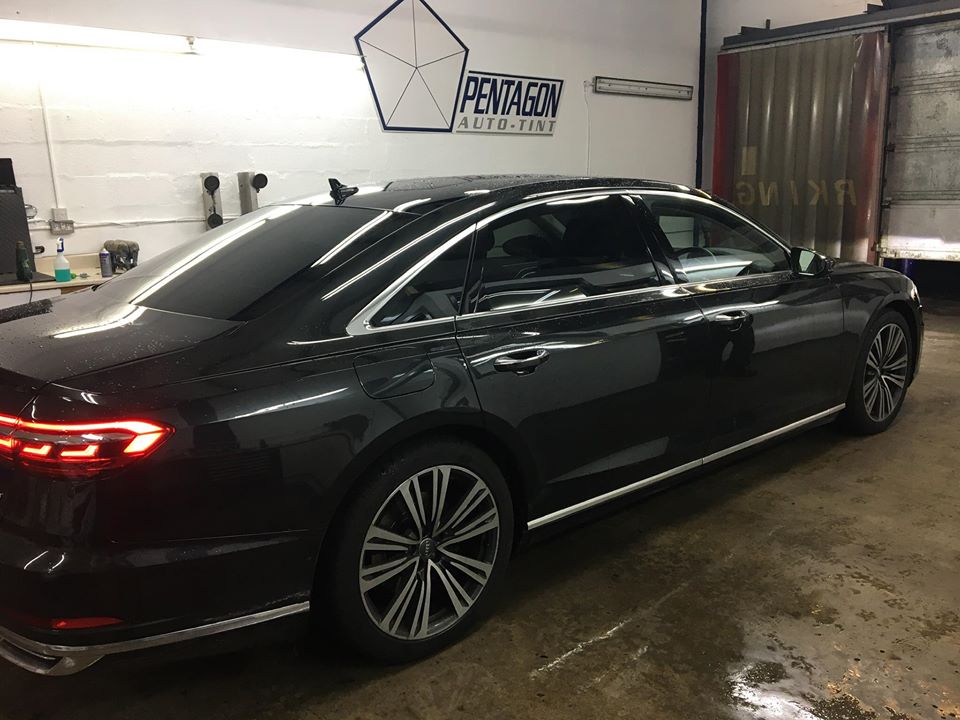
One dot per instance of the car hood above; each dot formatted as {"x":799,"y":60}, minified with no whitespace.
{"x":846,"y":267}
{"x":52,"y":340}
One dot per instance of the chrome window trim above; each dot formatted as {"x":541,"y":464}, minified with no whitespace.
{"x":692,"y":465}
{"x":362,"y":323}
{"x":59,"y":660}
{"x":652,"y":291}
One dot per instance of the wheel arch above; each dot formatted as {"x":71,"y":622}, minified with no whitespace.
{"x":489,"y":434}
{"x":902,"y":306}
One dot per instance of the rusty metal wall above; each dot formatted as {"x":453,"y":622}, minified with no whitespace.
{"x":799,"y":145}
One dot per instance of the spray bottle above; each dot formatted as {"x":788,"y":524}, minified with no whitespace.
{"x":61,"y":266}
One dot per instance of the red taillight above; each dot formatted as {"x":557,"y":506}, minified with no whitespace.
{"x":76,"y":623}
{"x":83,"y":623}
{"x":78,"y":448}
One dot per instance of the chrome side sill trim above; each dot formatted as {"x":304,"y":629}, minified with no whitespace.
{"x":59,"y":660}
{"x":633,"y":487}
{"x":774,"y":433}
{"x":606,"y":497}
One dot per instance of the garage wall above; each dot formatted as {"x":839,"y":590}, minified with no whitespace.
{"x":132,"y":130}
{"x":726,"y":17}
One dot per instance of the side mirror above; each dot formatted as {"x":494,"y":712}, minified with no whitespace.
{"x":809,"y":263}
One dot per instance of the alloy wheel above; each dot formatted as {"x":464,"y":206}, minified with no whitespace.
{"x":429,"y":552}
{"x":885,"y":376}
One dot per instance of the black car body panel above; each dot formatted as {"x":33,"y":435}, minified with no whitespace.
{"x":280,"y":401}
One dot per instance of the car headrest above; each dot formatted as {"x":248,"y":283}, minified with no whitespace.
{"x":528,"y":246}
{"x":590,"y":238}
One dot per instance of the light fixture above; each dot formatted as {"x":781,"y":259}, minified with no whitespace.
{"x":53,"y":34}
{"x":642,"y":88}
{"x":41,"y":33}
{"x":278,"y":56}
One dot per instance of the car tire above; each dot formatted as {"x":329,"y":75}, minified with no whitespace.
{"x":881,"y":376}
{"x":433,"y":522}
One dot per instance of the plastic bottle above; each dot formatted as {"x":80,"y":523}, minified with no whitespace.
{"x":106,"y":263}
{"x":61,"y":266}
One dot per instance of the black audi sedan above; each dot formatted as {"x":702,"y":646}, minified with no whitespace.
{"x":356,"y":405}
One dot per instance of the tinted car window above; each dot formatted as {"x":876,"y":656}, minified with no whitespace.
{"x":228,"y":270}
{"x":562,"y":250}
{"x":710,"y":243}
{"x":432,"y":294}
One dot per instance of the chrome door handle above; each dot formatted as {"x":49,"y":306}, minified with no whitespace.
{"x":521,"y":362}
{"x":733,"y":320}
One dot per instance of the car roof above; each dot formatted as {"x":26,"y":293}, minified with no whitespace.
{"x":419,"y":196}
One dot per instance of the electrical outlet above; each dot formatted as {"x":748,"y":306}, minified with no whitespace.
{"x":61,"y":227}
{"x":60,"y":222}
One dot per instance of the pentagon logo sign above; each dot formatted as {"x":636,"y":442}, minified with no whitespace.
{"x":415,"y":65}
{"x":417,"y":69}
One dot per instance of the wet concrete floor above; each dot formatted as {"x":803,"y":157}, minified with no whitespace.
{"x":817,"y":579}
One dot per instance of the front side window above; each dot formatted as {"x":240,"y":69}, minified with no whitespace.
{"x":561,"y":250}
{"x":710,"y":243}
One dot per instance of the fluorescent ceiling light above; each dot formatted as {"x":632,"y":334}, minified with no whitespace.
{"x":642,"y":88}
{"x":51,"y":34}
{"x":22,"y":31}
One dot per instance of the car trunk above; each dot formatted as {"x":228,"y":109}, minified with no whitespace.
{"x":50,"y":341}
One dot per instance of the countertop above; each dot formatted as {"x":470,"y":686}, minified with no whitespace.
{"x":88,"y":263}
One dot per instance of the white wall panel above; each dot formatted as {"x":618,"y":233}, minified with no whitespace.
{"x":132,"y":131}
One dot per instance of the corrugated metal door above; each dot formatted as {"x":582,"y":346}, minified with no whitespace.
{"x":799,"y":138}
{"x":921,"y":217}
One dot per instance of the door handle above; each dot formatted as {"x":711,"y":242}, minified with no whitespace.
{"x":734,"y":320}
{"x":521,"y":362}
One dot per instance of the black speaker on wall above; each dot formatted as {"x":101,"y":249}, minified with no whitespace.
{"x":7,"y":178}
{"x":13,"y":224}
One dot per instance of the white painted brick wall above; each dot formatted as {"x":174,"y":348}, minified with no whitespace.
{"x":132,"y":131}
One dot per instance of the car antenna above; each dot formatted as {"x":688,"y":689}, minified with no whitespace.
{"x":340,"y":192}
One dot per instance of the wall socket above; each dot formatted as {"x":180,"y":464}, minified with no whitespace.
{"x":60,"y":222}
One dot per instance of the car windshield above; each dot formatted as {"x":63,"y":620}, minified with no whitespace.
{"x":226,"y":271}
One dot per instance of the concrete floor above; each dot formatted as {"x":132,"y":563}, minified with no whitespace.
{"x":818,"y":579}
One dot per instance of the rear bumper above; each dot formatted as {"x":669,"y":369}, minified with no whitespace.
{"x":59,"y":660}
{"x":152,"y":595}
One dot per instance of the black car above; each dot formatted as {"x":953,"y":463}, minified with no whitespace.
{"x":360,"y":402}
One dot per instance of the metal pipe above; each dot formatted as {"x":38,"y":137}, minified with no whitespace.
{"x":46,"y":135}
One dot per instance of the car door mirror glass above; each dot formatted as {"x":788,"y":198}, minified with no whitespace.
{"x":808,"y":262}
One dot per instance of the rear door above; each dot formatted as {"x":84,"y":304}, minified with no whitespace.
{"x":774,"y":354}
{"x":574,"y":341}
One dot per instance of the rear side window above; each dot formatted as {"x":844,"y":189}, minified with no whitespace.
{"x":432,"y":294}
{"x":562,"y":250}
{"x":226,"y":271}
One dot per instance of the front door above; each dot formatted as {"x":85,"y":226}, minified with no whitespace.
{"x":774,"y":350}
{"x":574,"y":340}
